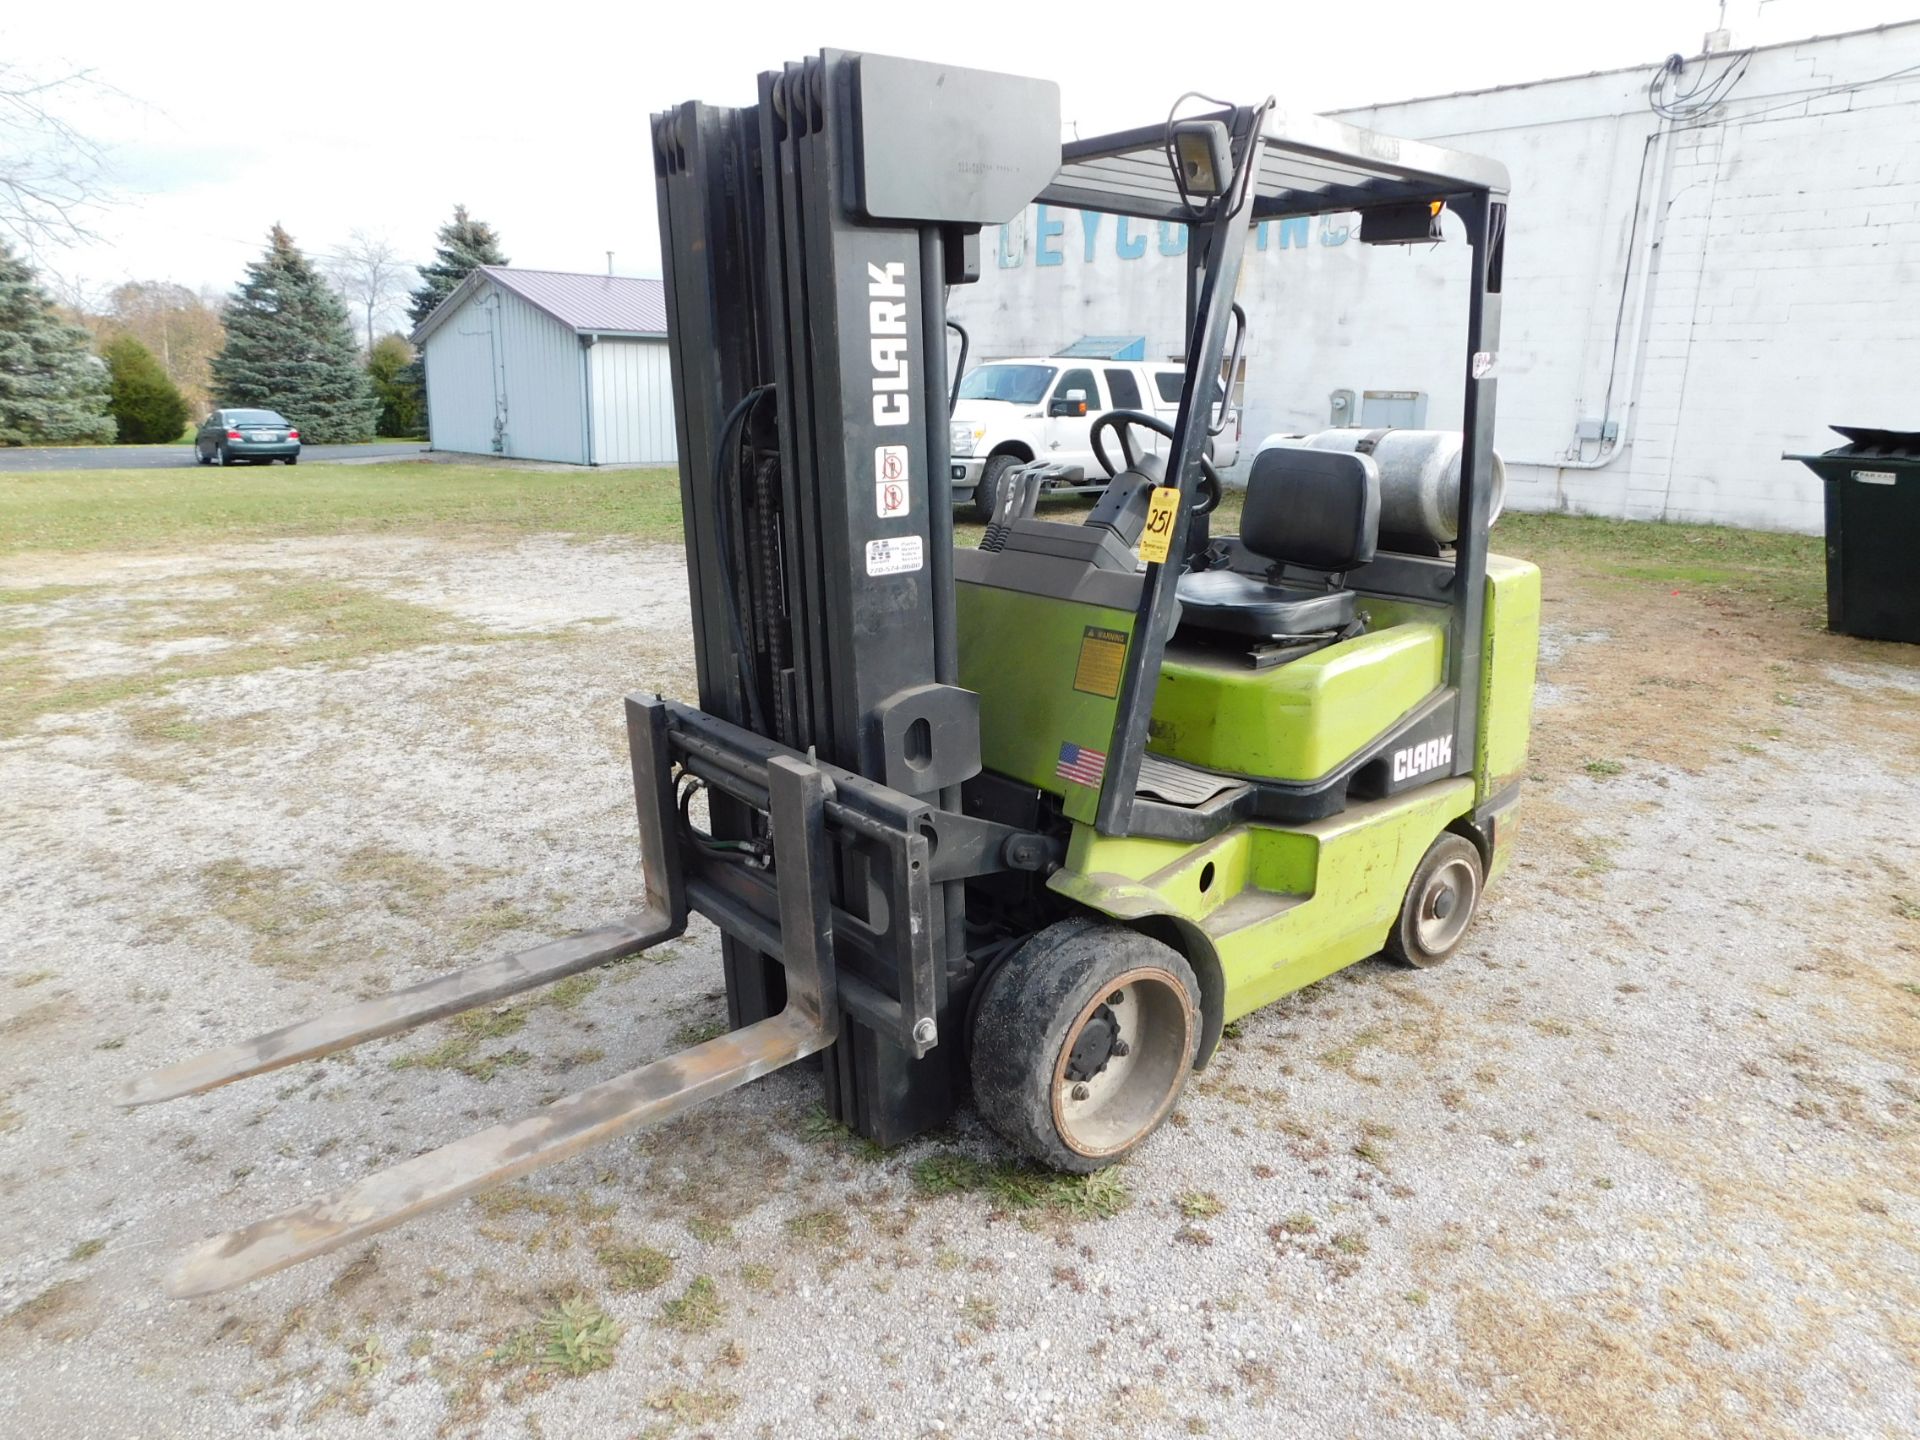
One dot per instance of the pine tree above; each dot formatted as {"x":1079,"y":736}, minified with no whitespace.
{"x":147,"y":407}
{"x":53,"y":389}
{"x":290,"y":348}
{"x":465,"y":245}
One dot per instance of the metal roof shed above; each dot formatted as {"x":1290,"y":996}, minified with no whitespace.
{"x":547,"y":365}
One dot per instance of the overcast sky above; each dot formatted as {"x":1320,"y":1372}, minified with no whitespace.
{"x":328,"y":118}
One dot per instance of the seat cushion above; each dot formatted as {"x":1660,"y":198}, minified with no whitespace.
{"x":1318,"y":508}
{"x":1246,"y":605}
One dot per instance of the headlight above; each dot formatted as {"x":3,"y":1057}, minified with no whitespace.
{"x":960,"y":437}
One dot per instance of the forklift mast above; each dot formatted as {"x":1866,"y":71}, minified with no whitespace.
{"x":808,"y":241}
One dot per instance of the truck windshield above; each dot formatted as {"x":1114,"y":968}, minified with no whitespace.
{"x":1015,"y":384}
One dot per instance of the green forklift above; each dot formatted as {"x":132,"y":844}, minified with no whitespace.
{"x":1029,"y":822}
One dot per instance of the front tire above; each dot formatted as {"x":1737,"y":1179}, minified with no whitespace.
{"x":993,"y":484}
{"x":1083,"y":1042}
{"x":1440,"y":903}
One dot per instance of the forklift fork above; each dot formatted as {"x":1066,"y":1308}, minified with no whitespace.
{"x":797,"y":796}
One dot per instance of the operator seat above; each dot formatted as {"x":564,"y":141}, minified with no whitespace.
{"x":1319,"y":509}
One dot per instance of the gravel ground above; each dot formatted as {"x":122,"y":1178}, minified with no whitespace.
{"x":1640,"y":1162}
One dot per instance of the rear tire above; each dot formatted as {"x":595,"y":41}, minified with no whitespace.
{"x":1440,"y":903}
{"x":220,"y":456}
{"x":993,"y":484}
{"x":1083,"y":1041}
{"x":293,"y":459}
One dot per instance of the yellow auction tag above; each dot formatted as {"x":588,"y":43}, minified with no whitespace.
{"x":1157,"y":538}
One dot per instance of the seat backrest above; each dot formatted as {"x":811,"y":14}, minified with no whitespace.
{"x":1319,"y":508}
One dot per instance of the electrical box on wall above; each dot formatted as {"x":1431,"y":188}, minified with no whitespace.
{"x":1394,"y":409}
{"x":1597,"y":430}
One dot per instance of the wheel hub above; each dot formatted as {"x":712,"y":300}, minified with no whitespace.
{"x":1093,"y":1049}
{"x":1446,"y":907}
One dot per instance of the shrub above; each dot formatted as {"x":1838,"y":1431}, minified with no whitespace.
{"x":148,"y":408}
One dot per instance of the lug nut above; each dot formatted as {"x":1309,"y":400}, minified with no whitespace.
{"x":1116,"y":997}
{"x":1121,"y":1049}
{"x":1080,"y":1092}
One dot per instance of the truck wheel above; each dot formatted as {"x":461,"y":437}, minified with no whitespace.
{"x":1440,"y":903}
{"x":1083,"y":1041}
{"x":993,"y":484}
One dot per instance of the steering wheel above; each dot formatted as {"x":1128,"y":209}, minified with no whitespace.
{"x":1119,"y":420}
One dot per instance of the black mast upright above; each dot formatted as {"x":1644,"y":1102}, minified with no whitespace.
{"x":808,"y":240}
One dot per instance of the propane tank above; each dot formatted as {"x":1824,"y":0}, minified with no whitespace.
{"x":1419,"y":478}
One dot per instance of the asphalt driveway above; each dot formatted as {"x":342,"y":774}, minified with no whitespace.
{"x":158,"y":457}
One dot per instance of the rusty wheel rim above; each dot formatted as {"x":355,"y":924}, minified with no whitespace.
{"x":1104,"y":1111}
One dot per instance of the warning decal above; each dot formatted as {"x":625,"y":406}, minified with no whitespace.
{"x":1102,"y":653}
{"x":890,"y":496}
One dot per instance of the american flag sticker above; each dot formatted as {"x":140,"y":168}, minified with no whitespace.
{"x":1081,"y":765}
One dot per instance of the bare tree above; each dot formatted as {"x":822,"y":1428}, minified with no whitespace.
{"x":369,"y":273}
{"x":51,"y":174}
{"x":182,"y":329}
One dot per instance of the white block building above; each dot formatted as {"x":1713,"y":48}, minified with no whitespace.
{"x":1688,"y":295}
{"x":544,"y":365}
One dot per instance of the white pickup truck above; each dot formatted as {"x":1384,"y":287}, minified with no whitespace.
{"x":1011,"y":412}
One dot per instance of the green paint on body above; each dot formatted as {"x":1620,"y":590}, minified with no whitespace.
{"x":1295,"y":721}
{"x":1265,"y":909}
{"x":1277,"y":907}
{"x":1511,"y":647}
{"x":1022,"y":654}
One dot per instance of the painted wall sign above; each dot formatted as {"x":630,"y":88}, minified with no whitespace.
{"x":1053,"y":236}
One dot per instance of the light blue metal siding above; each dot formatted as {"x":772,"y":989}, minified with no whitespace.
{"x":545,"y":419}
{"x":462,"y":367}
{"x":504,"y":378}
{"x":632,"y":409}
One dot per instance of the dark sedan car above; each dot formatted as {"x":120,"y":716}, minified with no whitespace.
{"x":257,"y":436}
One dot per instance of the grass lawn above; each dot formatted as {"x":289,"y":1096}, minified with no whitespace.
{"x":144,"y":509}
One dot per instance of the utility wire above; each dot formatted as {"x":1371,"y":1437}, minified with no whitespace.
{"x":1813,"y":95}
{"x":1706,"y":92}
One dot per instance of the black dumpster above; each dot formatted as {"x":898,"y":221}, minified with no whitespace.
{"x":1873,"y":533}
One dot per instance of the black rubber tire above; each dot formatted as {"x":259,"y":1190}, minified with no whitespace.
{"x":993,"y":480}
{"x":1404,"y":942}
{"x":293,"y":459}
{"x":200,"y":459}
{"x":1032,"y":1008}
{"x":220,"y":456}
